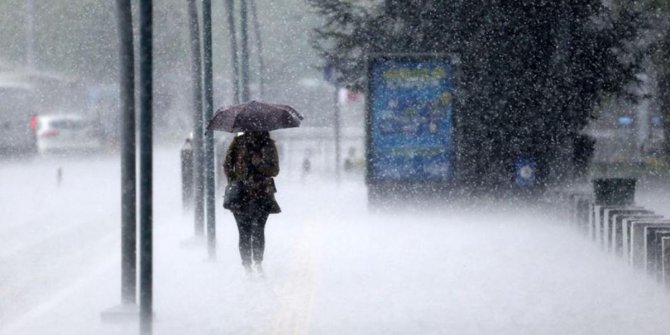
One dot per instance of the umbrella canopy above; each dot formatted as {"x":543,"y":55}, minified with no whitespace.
{"x":254,"y":116}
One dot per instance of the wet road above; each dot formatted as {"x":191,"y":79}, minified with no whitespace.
{"x":332,"y":266}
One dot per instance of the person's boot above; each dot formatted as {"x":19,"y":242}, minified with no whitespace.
{"x":248,"y":270}
{"x":259,"y":270}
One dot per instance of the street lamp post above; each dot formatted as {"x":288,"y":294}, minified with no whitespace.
{"x":259,"y":48}
{"x":244,"y":34}
{"x":146,"y":166}
{"x":209,"y":138}
{"x":337,"y":131}
{"x":128,"y":308}
{"x":198,"y":161}
{"x":30,"y":33}
{"x":232,"y":35}
{"x":128,"y":162}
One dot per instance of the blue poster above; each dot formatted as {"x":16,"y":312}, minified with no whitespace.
{"x":410,"y":119}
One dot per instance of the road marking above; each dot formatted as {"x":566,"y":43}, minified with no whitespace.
{"x":294,"y":315}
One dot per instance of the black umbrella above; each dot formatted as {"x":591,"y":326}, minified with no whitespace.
{"x":254,"y":116}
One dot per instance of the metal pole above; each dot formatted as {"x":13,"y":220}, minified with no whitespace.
{"x":128,"y":161}
{"x":245,"y":51}
{"x":198,"y":161}
{"x":209,"y":138}
{"x":232,"y":35}
{"x":259,"y":48}
{"x":30,"y":33}
{"x":146,"y":167}
{"x":336,"y":126}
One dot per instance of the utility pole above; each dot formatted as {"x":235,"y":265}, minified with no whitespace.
{"x":29,"y":7}
{"x":198,"y":152}
{"x":329,"y":75}
{"x":245,"y":51}
{"x":232,"y":34}
{"x":209,"y":138}
{"x":128,"y":307}
{"x":146,"y":166}
{"x":259,"y":48}
{"x":336,"y":126}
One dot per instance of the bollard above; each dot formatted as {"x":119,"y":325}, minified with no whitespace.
{"x":654,"y":250}
{"x":665,"y":260}
{"x":582,"y":213}
{"x":638,"y":240}
{"x":619,"y":221}
{"x":186,"y":155}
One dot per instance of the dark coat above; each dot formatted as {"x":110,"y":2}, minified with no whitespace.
{"x":252,"y":158}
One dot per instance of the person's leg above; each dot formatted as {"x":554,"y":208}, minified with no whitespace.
{"x":258,"y":237}
{"x":244,"y":224}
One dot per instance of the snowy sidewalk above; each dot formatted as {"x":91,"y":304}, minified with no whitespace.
{"x":335,"y":268}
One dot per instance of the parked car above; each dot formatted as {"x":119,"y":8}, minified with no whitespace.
{"x":58,"y":133}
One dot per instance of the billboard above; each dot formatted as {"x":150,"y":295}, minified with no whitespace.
{"x":409,"y":121}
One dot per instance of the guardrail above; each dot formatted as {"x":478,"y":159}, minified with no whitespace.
{"x":608,"y":217}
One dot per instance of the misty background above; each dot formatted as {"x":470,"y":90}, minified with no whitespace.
{"x":76,"y":41}
{"x":535,"y":79}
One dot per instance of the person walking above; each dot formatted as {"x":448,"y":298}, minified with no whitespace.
{"x":252,"y":160}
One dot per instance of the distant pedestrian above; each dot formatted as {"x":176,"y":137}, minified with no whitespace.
{"x":252,"y":160}
{"x":59,"y":175}
{"x":349,"y":161}
{"x":307,"y":163}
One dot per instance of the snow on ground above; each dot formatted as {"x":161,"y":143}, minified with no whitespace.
{"x":333,"y":266}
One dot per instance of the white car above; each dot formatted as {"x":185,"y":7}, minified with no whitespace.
{"x":59,"y":133}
